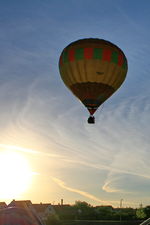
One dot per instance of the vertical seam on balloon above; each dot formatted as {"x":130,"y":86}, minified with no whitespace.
{"x":71,"y":55}
{"x":85,"y":69}
{"x":125,"y":65}
{"x":113,"y":77}
{"x":105,"y":89}
{"x":114,"y":57}
{"x":79,"y":55}
{"x":88,"y":53}
{"x":71,"y":58}
{"x":120,"y":60}
{"x":120,"y":81}
{"x":106,"y":55}
{"x":78,"y":71}
{"x":71,"y":73}
{"x":115,"y":61}
{"x":116,"y":82}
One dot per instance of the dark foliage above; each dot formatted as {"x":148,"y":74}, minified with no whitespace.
{"x":81,"y":210}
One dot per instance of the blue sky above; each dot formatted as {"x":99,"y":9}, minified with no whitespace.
{"x":100,"y":164}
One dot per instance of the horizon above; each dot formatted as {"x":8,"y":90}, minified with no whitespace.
{"x":47,"y":149}
{"x":71,"y":204}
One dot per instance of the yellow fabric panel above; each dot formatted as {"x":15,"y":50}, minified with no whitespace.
{"x":92,"y":70}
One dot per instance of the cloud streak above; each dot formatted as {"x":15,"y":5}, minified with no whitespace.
{"x":87,"y":195}
{"x":83,"y":193}
{"x":31,"y":151}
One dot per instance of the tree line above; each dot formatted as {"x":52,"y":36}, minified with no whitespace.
{"x":81,"y":210}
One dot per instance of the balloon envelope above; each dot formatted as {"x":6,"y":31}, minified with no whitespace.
{"x":93,"y":69}
{"x":17,"y":216}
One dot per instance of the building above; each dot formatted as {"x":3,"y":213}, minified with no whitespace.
{"x":41,"y":210}
{"x":44,"y":210}
{"x":28,"y":206}
{"x":22,"y":203}
{"x":3,"y":205}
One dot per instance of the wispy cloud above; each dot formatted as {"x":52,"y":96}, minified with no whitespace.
{"x":83,"y":193}
{"x":87,"y":195}
{"x":125,"y":184}
{"x":26,"y":150}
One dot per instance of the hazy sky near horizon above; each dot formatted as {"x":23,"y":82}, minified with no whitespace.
{"x":71,"y":159}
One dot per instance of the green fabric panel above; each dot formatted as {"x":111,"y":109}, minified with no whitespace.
{"x":124,"y":64}
{"x":98,"y":53}
{"x":79,"y":53}
{"x":114,"y":57}
{"x":65,"y":57}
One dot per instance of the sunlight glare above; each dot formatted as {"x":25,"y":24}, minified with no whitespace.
{"x":15,"y":174}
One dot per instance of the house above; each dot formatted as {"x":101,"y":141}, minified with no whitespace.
{"x":63,"y":211}
{"x":22,"y":203}
{"x":41,"y":210}
{"x":3,"y":205}
{"x":44,"y":210}
{"x":28,"y":206}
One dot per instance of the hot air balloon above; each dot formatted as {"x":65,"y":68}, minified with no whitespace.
{"x":17,"y":216}
{"x":93,"y":69}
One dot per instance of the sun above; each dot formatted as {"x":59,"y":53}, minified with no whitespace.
{"x":15,"y":174}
